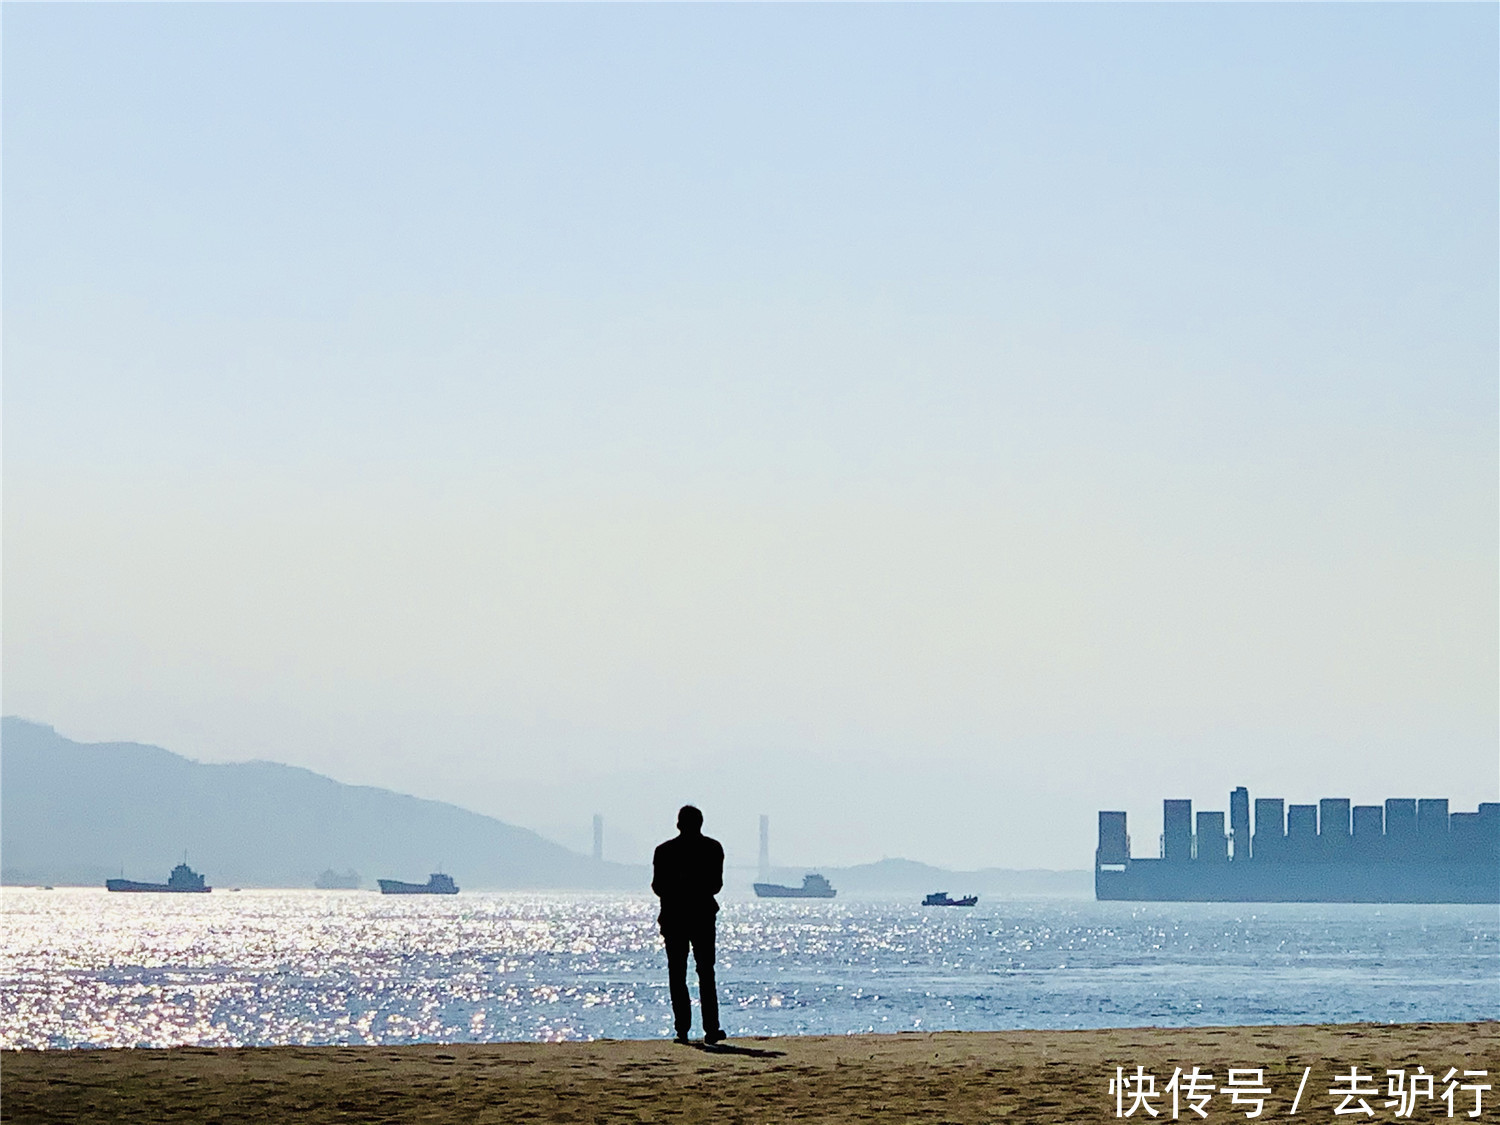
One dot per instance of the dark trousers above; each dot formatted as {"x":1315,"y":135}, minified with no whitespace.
{"x":700,"y":936}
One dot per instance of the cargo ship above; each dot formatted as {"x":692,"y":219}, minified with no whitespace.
{"x":183,"y":880}
{"x":940,"y":898}
{"x":331,"y":880}
{"x":1407,"y":850}
{"x":813,"y":886}
{"x":437,"y":884}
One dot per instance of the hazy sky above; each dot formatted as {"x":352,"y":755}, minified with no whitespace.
{"x":924,"y":424}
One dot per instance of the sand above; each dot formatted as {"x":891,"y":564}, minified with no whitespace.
{"x":967,"y":1077}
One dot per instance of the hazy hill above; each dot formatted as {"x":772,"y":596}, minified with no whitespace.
{"x":75,"y":812}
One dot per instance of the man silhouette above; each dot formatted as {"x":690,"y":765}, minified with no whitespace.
{"x":686,"y":872}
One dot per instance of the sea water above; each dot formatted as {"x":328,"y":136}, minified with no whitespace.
{"x":88,"y":968}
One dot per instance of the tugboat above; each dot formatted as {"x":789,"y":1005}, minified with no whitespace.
{"x":332,"y":880}
{"x":940,"y":898}
{"x":813,"y":886}
{"x":437,"y":884}
{"x":183,"y":880}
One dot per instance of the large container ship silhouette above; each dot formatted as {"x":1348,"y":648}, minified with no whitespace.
{"x":183,"y":880}
{"x":813,"y":886}
{"x":437,"y":884}
{"x":1407,"y":850}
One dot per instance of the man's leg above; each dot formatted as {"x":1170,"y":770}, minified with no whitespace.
{"x":676,"y":941}
{"x":708,"y":990}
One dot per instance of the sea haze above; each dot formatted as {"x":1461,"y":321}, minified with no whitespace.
{"x":88,"y":968}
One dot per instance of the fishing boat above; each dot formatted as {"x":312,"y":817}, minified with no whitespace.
{"x":940,"y":898}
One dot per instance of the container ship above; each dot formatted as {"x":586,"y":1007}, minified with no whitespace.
{"x":1407,"y":850}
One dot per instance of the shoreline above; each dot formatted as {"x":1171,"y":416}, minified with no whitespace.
{"x":959,"y":1076}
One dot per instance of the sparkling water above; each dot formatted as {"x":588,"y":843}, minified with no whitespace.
{"x":88,"y":968}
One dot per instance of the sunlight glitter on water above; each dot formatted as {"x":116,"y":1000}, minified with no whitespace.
{"x":83,"y":967}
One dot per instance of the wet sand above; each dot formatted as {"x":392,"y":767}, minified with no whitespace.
{"x":967,"y":1077}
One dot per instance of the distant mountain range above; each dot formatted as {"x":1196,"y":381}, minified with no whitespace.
{"x":78,"y":813}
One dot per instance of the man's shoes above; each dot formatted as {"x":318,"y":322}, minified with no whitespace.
{"x":681,"y":1037}
{"x":712,"y":1037}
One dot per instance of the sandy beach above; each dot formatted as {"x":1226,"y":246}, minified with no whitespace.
{"x":965,"y":1077}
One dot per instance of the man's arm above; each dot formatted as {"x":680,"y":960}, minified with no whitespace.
{"x":656,"y":872}
{"x":717,"y":873}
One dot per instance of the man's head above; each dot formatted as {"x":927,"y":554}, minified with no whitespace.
{"x":689,"y":820}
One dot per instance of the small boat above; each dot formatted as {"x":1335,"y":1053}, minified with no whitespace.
{"x":183,"y":880}
{"x":813,"y":886}
{"x":940,"y":898}
{"x":437,"y":884}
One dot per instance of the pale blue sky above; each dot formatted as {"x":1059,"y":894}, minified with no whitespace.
{"x":1043,"y":402}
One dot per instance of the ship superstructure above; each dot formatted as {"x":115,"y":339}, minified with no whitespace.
{"x":1407,"y":850}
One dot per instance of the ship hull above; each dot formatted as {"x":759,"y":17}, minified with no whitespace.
{"x":773,"y":890}
{"x":130,"y":886}
{"x":1156,"y":880}
{"x":396,"y":887}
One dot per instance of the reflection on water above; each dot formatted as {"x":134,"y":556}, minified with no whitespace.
{"x":84,"y":967}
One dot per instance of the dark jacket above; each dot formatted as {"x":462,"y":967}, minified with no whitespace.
{"x":686,"y":872}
